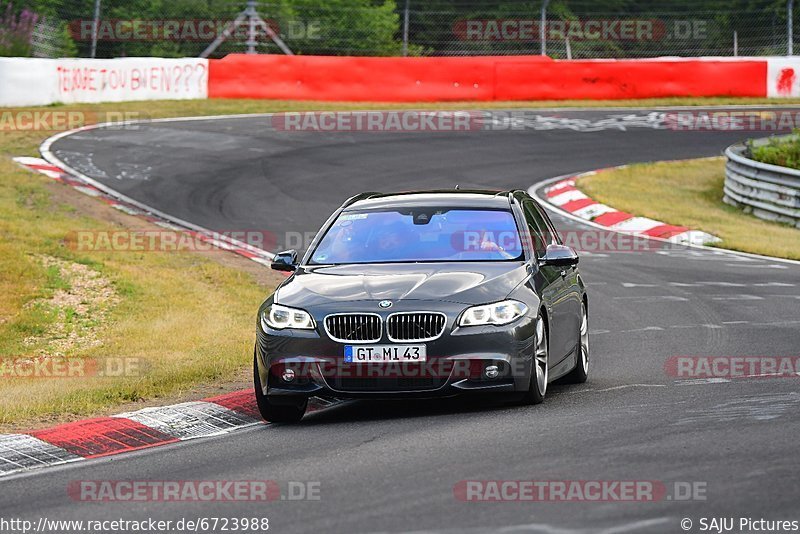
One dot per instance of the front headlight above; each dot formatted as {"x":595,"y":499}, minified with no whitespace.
{"x":500,"y":313}
{"x":280,"y":317}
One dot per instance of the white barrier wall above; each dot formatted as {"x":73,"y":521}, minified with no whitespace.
{"x":29,"y":82}
{"x":32,"y":82}
{"x":783,"y":77}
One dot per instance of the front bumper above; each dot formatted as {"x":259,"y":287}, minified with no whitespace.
{"x":456,"y":360}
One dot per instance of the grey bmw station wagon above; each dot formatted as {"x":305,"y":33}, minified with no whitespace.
{"x":424,"y":294}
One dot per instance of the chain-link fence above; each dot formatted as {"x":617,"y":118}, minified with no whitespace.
{"x":560,"y":28}
{"x":588,"y":29}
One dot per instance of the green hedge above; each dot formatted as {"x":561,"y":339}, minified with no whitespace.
{"x":783,"y":152}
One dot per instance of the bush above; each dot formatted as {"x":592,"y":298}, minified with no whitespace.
{"x":16,"y":32}
{"x":783,"y":152}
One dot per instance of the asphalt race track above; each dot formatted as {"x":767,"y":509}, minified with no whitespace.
{"x":392,"y":467}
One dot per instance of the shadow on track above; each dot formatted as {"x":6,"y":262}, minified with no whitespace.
{"x":381,"y":410}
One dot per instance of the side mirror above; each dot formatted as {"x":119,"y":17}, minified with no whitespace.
{"x":559,"y":256}
{"x":285,"y":261}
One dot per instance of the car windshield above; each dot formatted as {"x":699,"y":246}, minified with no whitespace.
{"x":420,"y":235}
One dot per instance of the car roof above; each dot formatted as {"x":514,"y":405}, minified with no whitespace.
{"x":455,"y":198}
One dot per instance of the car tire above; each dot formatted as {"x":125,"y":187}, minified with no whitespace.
{"x":540,"y":372}
{"x":580,"y":374}
{"x":276,"y":413}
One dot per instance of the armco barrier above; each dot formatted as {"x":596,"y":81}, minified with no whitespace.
{"x":394,"y":79}
{"x":388,"y":79}
{"x":34,"y":82}
{"x":615,"y":80}
{"x":767,"y":191}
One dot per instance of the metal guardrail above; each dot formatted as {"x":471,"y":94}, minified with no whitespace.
{"x":767,"y":191}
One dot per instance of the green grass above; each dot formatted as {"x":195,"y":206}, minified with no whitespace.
{"x":690,"y":194}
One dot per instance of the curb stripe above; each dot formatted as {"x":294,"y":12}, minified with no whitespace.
{"x":243,"y":402}
{"x":565,"y":195}
{"x":561,"y":185}
{"x":568,"y":196}
{"x":566,"y":187}
{"x":576,"y":205}
{"x":595,"y":210}
{"x":20,"y":452}
{"x":665,"y":230}
{"x":613,"y":217}
{"x":45,"y":167}
{"x":693,"y":237}
{"x":142,"y":429}
{"x":636,"y":225}
{"x":103,"y":436}
{"x":191,"y":420}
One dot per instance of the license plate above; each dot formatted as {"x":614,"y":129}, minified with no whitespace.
{"x":384,"y":353}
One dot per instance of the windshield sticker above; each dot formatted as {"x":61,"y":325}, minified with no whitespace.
{"x":354,"y":217}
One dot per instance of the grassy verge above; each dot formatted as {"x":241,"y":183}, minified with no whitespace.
{"x":690,"y":194}
{"x":155,"y":324}
{"x":185,"y":318}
